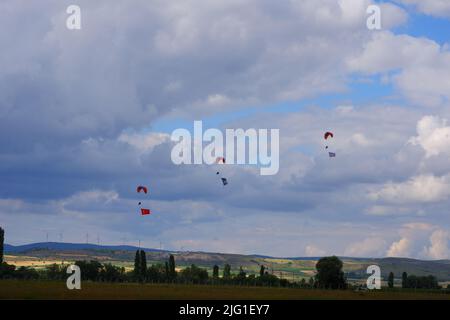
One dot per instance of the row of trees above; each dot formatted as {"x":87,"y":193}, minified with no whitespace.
{"x":193,"y":274}
{"x":415,"y":282}
{"x":157,"y":272}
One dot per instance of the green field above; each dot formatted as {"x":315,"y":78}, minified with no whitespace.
{"x":16,"y":289}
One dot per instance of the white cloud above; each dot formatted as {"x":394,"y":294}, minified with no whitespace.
{"x":433,"y":135}
{"x":419,"y":189}
{"x":427,"y":84}
{"x":361,"y":140}
{"x":412,"y":236}
{"x":144,"y":142}
{"x":353,"y":10}
{"x":378,"y":56}
{"x":438,"y":8}
{"x":85,"y":203}
{"x":345,"y":109}
{"x":400,"y":248}
{"x":99,"y":196}
{"x":439,"y":247}
{"x":421,"y":240}
{"x":314,"y":251}
{"x":369,"y":247}
{"x":421,"y":66}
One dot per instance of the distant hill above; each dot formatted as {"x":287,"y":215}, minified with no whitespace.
{"x":301,"y":266}
{"x":61,"y":246}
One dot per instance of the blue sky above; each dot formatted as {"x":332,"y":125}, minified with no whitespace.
{"x":86,"y":116}
{"x":422,"y":25}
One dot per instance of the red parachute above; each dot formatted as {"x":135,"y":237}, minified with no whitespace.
{"x":328,"y":134}
{"x":141,"y":188}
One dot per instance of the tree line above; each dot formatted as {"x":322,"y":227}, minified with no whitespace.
{"x":167,"y":273}
{"x":415,"y":282}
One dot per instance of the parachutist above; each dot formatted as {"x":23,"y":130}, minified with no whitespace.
{"x":326,"y":136}
{"x":221,"y":160}
{"x":144,"y":189}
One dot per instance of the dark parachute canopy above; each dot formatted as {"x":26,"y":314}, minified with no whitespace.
{"x":327,"y":135}
{"x":142,"y":188}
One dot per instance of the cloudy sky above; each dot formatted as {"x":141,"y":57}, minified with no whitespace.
{"x":86,"y":116}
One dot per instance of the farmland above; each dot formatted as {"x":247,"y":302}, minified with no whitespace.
{"x":294,"y":269}
{"x":16,"y":289}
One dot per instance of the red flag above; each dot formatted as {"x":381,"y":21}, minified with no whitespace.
{"x":145,"y":211}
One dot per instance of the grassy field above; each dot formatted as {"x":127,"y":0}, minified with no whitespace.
{"x":16,"y":289}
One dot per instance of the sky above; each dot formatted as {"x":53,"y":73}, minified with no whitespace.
{"x":86,"y":116}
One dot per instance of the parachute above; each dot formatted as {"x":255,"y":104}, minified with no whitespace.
{"x":221,"y":160}
{"x":144,"y":189}
{"x":327,"y":135}
{"x":141,"y":188}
